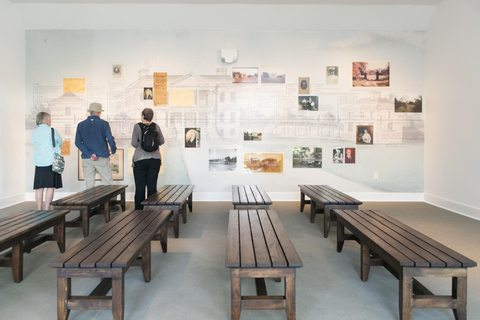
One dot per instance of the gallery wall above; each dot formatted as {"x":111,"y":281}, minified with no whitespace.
{"x":224,"y":110}
{"x":452,"y":82}
{"x":12,"y":106}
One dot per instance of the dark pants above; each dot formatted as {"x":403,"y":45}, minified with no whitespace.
{"x":145,"y":173}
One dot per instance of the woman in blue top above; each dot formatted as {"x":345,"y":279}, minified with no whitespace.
{"x":43,"y":152}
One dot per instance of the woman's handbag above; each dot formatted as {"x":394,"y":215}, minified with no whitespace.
{"x":58,"y":162}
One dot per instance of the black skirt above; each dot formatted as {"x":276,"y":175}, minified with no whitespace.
{"x":46,"y":178}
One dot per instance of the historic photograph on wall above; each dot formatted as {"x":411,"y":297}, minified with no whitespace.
{"x":338,"y":155}
{"x":192,"y":137}
{"x":116,"y":163}
{"x":262,"y":162}
{"x":349,"y":155}
{"x":148,"y":93}
{"x":304,"y":85}
{"x":332,"y":75}
{"x":222,"y":159}
{"x":307,"y":157}
{"x":245,"y":75}
{"x":371,"y":74}
{"x":116,"y":72}
{"x":364,"y":134}
{"x":309,"y":103}
{"x":408,"y":103}
{"x":252,"y":135}
{"x":273,"y":74}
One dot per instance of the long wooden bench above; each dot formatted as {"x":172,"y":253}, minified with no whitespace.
{"x":259,"y":247}
{"x":323,"y":199}
{"x":107,"y":254}
{"x":407,"y":254}
{"x":250,"y":197}
{"x":175,"y":198}
{"x":21,"y":232}
{"x":90,"y":202}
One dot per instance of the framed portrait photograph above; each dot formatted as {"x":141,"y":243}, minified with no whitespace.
{"x":338,"y":155}
{"x":349,"y":155}
{"x":371,"y":74}
{"x":304,"y":85}
{"x":364,"y":134}
{"x":307,"y":157}
{"x":192,"y":137}
{"x":116,"y":72}
{"x":332,"y":75}
{"x":148,"y":93}
{"x":245,"y":74}
{"x":116,"y":164}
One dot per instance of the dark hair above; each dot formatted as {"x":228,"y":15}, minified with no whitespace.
{"x":147,"y":114}
{"x":42,"y":118}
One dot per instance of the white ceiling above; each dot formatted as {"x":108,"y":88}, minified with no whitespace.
{"x":264,"y":2}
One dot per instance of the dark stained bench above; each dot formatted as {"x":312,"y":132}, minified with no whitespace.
{"x":172,"y":197}
{"x":21,"y":232}
{"x":88,"y":202}
{"x":323,"y":199}
{"x":407,"y":254}
{"x":107,"y":254}
{"x":259,"y":247}
{"x":250,"y":197}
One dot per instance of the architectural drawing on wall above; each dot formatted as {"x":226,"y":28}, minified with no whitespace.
{"x":273,"y":74}
{"x":308,"y":103}
{"x":371,"y":74}
{"x":304,"y":85}
{"x":364,"y":134}
{"x":307,"y":157}
{"x":148,"y":93}
{"x":349,"y":155}
{"x":222,"y":159}
{"x":116,"y":73}
{"x":192,"y":137}
{"x":116,"y":163}
{"x":332,"y":75}
{"x":408,"y":103}
{"x":245,"y":74}
{"x":262,"y":162}
{"x":252,"y":135}
{"x":338,"y":155}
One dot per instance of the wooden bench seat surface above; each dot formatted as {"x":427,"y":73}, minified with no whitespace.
{"x":328,"y":195}
{"x":18,"y":224}
{"x":257,"y":239}
{"x":91,"y":196}
{"x":249,"y":195}
{"x":116,"y":244}
{"x":170,"y":195}
{"x":404,"y":246}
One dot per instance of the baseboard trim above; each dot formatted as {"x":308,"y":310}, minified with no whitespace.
{"x":10,"y":201}
{"x":460,"y":208}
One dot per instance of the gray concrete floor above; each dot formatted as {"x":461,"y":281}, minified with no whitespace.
{"x":191,"y":281}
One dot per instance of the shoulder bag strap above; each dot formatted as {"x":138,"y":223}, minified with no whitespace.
{"x":53,"y":138}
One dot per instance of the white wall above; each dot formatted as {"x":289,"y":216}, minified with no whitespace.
{"x":12,"y":106}
{"x":452,"y":153}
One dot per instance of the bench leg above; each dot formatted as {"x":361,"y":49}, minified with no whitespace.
{"x":190,"y":202}
{"x":60,"y":233}
{"x":313,"y":210}
{"x":17,"y":261}
{"x":236,"y":294}
{"x":122,"y":200}
{"x":459,"y":292}
{"x":106,"y":211}
{"x":118,"y":297}
{"x":302,"y":201}
{"x":364,"y":262}
{"x":162,"y":236}
{"x":184,"y":213}
{"x":340,"y":236}
{"x":64,"y":293}
{"x":176,"y":223}
{"x":290,"y":303}
{"x":85,"y":221}
{"x":405,"y":296}
{"x":147,"y":262}
{"x":326,"y":221}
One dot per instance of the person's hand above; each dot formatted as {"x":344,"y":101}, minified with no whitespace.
{"x":94,"y":157}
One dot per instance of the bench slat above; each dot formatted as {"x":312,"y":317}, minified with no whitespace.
{"x":233,"y":250}
{"x":250,"y":196}
{"x":247,"y":256}
{"x":265,"y":197}
{"x":262,"y":256}
{"x":276,"y":253}
{"x":440,"y":251}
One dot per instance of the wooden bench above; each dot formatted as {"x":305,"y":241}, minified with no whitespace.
{"x":21,"y":232}
{"x":323,"y":199}
{"x":107,"y":254}
{"x":172,"y":197}
{"x":250,"y":197}
{"x":88,"y":202}
{"x":259,"y":247}
{"x":407,"y":254}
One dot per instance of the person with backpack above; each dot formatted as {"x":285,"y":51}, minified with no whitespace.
{"x":147,"y":138}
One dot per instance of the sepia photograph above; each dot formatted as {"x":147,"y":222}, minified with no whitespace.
{"x":408,"y":103}
{"x":245,"y":75}
{"x":371,"y":74}
{"x":307,"y":157}
{"x":364,"y":134}
{"x":192,"y":137}
{"x":304,"y":85}
{"x":273,"y":74}
{"x":332,"y":75}
{"x":262,"y":162}
{"x":349,"y":155}
{"x":308,"y":103}
{"x":222,"y":159}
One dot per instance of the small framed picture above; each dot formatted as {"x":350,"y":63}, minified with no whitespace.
{"x":304,"y":85}
{"x":349,"y":155}
{"x":148,"y":93}
{"x":364,"y":134}
{"x":192,"y":137}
